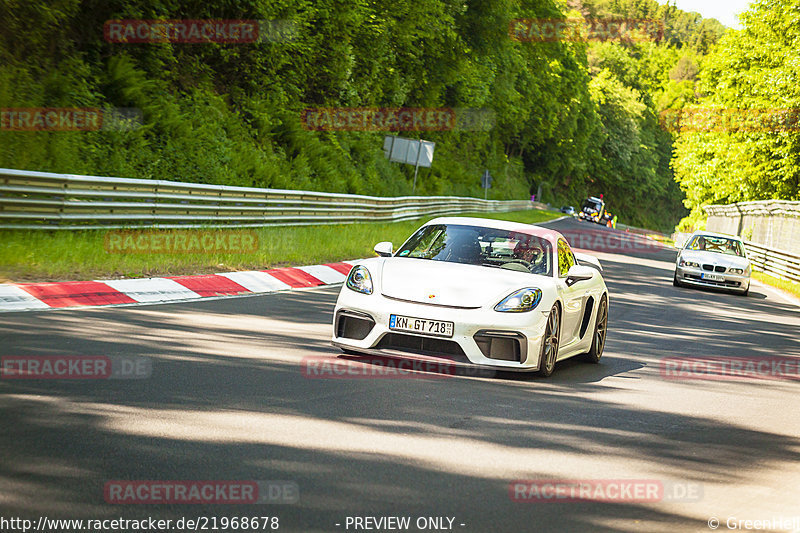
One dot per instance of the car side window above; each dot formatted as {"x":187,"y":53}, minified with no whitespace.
{"x":565,"y":258}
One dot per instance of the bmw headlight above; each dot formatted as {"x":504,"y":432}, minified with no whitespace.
{"x":689,"y":264}
{"x":359,"y":280}
{"x":736,"y":270}
{"x":519,"y":302}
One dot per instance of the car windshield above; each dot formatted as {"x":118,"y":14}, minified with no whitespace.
{"x":475,"y":245}
{"x":591,"y":204}
{"x":721,"y":245}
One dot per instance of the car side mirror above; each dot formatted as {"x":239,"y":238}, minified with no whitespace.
{"x":578,"y":273}
{"x":384,"y":249}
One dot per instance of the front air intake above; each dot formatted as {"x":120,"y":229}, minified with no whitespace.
{"x":353,"y":325}
{"x":502,"y":345}
{"x":423,"y":346}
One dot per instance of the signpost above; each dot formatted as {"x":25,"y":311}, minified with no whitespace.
{"x":410,"y":151}
{"x":486,"y":182}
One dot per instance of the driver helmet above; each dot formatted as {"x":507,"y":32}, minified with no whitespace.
{"x":528,"y":250}
{"x":464,"y":248}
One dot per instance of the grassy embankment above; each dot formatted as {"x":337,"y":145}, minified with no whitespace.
{"x":785,"y":285}
{"x":82,"y":255}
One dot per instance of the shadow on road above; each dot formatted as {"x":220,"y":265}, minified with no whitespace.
{"x":227,"y":400}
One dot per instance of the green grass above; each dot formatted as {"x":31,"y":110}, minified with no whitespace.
{"x":81,"y":255}
{"x":789,"y":286}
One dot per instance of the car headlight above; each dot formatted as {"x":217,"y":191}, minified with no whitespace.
{"x":519,"y":302}
{"x":359,"y":280}
{"x":736,"y":270}
{"x":689,"y":264}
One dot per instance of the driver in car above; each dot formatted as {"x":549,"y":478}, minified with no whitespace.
{"x":463,"y":247}
{"x":531,"y":252}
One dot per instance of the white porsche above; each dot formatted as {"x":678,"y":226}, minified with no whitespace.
{"x":478,"y":292}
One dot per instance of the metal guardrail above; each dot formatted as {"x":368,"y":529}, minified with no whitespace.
{"x":776,"y":262}
{"x":43,"y":200}
{"x":779,"y":263}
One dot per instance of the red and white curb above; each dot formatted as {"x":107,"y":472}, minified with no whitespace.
{"x":33,"y":296}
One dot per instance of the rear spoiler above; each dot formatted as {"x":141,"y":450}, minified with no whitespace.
{"x":590,"y":259}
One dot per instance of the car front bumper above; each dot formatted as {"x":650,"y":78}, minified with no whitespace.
{"x":483,"y":337}
{"x":729,"y":281}
{"x":590,"y":218}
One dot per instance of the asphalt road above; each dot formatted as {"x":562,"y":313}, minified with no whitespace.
{"x":227,"y":400}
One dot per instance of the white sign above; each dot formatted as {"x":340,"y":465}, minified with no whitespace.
{"x":410,"y":151}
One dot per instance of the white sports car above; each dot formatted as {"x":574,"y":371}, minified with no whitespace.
{"x":713,"y":260}
{"x":479,"y":292}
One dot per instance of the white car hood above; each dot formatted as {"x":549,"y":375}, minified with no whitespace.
{"x":714,"y":258}
{"x":451,"y":284}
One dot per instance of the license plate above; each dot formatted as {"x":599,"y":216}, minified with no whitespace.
{"x":711,"y":277}
{"x":439,"y":328}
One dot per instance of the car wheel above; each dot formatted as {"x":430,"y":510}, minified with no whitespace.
{"x":675,"y":281}
{"x":549,"y":351}
{"x":600,"y":330}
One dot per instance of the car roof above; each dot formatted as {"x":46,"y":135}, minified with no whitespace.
{"x":539,"y":231}
{"x":714,"y":234}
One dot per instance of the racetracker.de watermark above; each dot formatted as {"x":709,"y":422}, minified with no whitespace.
{"x":201,"y":492}
{"x":590,"y":29}
{"x":726,"y":120}
{"x":603,"y":240}
{"x":75,"y":367}
{"x":610,"y":241}
{"x":603,"y":490}
{"x":367,"y":367}
{"x":398,"y":119}
{"x":191,"y":31}
{"x":715,"y":368}
{"x":69,"y":119}
{"x":180,"y":242}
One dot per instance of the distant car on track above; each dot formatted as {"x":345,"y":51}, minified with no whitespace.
{"x":713,"y":260}
{"x":594,"y":210}
{"x":568,"y":210}
{"x":476,"y":291}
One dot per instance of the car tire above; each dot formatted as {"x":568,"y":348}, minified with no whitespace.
{"x":675,"y":281}
{"x":550,"y":341}
{"x":600,"y":331}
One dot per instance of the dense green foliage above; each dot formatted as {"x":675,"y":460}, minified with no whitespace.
{"x":573,"y":118}
{"x":756,"y":70}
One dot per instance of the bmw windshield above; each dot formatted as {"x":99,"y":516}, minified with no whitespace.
{"x":721,"y":245}
{"x":474,"y":245}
